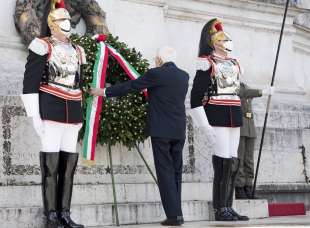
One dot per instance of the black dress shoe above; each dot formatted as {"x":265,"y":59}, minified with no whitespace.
{"x":178,"y":221}
{"x":240,"y":217}
{"x":223,"y":214}
{"x":240,"y":193}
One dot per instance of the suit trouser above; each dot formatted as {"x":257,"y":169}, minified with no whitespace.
{"x":246,"y":155}
{"x":169,"y":164}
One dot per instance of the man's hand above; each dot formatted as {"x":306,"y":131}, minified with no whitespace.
{"x":38,"y":126}
{"x":96,"y":92}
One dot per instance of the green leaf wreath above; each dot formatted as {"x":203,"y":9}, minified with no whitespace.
{"x":122,"y":119}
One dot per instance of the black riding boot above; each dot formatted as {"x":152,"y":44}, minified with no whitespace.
{"x":49,"y":163}
{"x":67,"y":166}
{"x":222,"y":171}
{"x":234,"y":171}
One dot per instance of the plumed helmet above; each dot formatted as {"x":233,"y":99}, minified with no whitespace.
{"x":58,"y":14}
{"x":212,"y":34}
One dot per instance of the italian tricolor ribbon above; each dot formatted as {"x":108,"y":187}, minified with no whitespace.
{"x":94,"y":103}
{"x":130,"y":71}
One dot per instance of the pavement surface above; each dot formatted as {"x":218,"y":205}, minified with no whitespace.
{"x":283,"y":221}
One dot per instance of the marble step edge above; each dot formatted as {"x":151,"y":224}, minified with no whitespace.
{"x":12,"y":196}
{"x":131,"y":213}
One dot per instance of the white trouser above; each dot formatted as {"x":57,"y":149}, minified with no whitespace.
{"x":226,"y":141}
{"x":59,"y":136}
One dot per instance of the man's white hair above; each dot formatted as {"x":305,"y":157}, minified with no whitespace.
{"x":167,"y":54}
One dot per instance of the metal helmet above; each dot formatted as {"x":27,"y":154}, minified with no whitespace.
{"x":223,"y":41}
{"x":59,"y":19}
{"x":219,"y":38}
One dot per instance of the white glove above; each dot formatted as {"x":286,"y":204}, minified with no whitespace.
{"x":31,"y":104}
{"x":199,"y":118}
{"x":201,"y":121}
{"x":268,"y":91}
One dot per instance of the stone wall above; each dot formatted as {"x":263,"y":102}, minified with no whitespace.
{"x":254,"y":27}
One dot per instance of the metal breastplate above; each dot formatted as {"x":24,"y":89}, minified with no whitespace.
{"x":226,"y":74}
{"x":63,"y":67}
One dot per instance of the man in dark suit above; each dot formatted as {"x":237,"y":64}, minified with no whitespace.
{"x":166,"y":124}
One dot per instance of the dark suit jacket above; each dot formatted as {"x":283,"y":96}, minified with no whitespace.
{"x":167,"y":87}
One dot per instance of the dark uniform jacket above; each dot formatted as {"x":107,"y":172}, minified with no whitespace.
{"x":218,"y":115}
{"x":51,"y":107}
{"x":167,"y":87}
{"x":246,"y":94}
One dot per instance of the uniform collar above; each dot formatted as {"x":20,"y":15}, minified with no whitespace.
{"x":57,"y":41}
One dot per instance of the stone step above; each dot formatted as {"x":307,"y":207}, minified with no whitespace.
{"x":14,"y":196}
{"x":130,"y":213}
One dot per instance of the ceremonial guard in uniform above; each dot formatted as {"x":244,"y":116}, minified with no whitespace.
{"x":248,"y":135}
{"x":214,"y":101}
{"x":52,"y":95}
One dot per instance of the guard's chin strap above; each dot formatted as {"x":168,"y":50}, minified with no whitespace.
{"x":64,"y":30}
